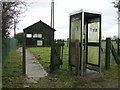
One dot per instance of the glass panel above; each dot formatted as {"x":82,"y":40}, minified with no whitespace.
{"x":75,"y":35}
{"x":29,"y":35}
{"x":75,"y":28}
{"x":39,"y":35}
{"x":93,"y":30}
{"x":93,"y":55}
{"x":34,"y":35}
{"x":72,"y":54}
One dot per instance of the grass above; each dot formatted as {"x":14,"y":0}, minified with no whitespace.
{"x":64,"y":78}
{"x":12,"y":76}
{"x":40,"y":53}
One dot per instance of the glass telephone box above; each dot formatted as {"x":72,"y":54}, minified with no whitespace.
{"x":85,"y":28}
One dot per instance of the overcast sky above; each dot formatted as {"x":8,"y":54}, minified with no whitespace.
{"x":41,"y":10}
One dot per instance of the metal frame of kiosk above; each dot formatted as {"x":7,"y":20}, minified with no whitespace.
{"x":85,"y":41}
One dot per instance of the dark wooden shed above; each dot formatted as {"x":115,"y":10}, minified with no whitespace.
{"x":39,"y":34}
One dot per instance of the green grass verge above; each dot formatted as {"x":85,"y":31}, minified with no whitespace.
{"x":12,"y":76}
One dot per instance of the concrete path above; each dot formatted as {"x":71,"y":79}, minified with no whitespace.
{"x":34,"y":70}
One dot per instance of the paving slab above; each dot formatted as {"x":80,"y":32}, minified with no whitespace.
{"x":34,"y":70}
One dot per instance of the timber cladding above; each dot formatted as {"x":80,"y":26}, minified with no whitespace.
{"x":39,"y":35}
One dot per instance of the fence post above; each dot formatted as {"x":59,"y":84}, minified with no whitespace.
{"x":52,"y":57}
{"x":62,"y":51}
{"x":118,"y":46}
{"x":67,"y":42}
{"x":108,"y":48}
{"x":77,"y":57}
{"x":24,"y":56}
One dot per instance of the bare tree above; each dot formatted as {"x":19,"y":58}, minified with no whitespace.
{"x":116,"y":3}
{"x":11,"y":12}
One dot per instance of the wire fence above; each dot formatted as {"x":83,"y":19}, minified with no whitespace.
{"x":7,"y":45}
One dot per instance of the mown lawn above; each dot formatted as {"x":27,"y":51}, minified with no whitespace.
{"x":64,"y":78}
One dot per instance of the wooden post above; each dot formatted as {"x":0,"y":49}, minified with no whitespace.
{"x":67,"y":42}
{"x":77,"y":57}
{"x":108,"y":48}
{"x":118,"y":46}
{"x":52,"y":57}
{"x":24,"y":55}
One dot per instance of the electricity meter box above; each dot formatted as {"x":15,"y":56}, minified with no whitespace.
{"x":85,"y":28}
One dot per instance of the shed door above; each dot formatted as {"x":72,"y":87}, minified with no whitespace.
{"x":39,"y":42}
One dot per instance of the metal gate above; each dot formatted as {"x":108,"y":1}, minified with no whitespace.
{"x":56,"y":55}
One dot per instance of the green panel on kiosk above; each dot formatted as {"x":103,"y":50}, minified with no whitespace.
{"x":93,"y":55}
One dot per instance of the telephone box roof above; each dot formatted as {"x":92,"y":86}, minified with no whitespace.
{"x":87,"y":11}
